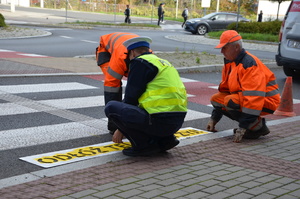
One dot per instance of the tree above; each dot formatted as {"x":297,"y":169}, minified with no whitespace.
{"x":279,"y":2}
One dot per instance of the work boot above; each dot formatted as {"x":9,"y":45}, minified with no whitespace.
{"x":264,"y":130}
{"x":168,"y":144}
{"x":238,"y":134}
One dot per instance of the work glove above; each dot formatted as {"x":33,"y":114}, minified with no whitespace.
{"x":238,"y":134}
{"x":211,"y":125}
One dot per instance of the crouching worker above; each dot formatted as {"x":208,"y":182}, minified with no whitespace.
{"x":154,"y":105}
{"x":111,"y":58}
{"x":248,"y":90}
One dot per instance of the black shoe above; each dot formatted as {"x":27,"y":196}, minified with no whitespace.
{"x":151,"y":150}
{"x":169,"y":145}
{"x":249,"y":134}
{"x":264,"y":130}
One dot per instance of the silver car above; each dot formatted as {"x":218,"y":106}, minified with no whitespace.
{"x":288,"y":54}
{"x":212,"y":21}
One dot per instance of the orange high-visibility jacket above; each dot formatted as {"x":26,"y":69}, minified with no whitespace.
{"x":254,"y":82}
{"x":111,"y":56}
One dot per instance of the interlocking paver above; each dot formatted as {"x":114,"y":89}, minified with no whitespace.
{"x":295,"y":193}
{"x":235,"y":189}
{"x":193,"y":188}
{"x":128,"y":186}
{"x":152,"y":194}
{"x":175,"y":194}
{"x":256,"y":190}
{"x":264,"y":196}
{"x":214,"y":189}
{"x":278,"y":191}
{"x":197,"y":195}
{"x":170,"y":188}
{"x":83,"y":193}
{"x":129,"y":193}
{"x":107,"y":192}
{"x":241,"y":195}
{"x":209,"y":183}
{"x":219,"y":196}
{"x":92,"y":197}
{"x":287,"y":196}
{"x":185,"y":177}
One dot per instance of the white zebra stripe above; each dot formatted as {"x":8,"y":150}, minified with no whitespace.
{"x":34,"y":88}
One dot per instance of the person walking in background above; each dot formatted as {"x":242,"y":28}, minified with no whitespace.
{"x":260,"y":15}
{"x":160,"y":13}
{"x":154,"y":105}
{"x":248,"y":90}
{"x":127,"y":14}
{"x":185,"y":14}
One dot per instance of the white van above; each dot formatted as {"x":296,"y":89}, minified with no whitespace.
{"x":288,"y":54}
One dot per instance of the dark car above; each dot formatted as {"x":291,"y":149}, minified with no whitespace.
{"x":212,"y":21}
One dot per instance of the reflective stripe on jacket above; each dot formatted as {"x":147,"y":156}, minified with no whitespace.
{"x":111,"y":56}
{"x":253,"y":81}
{"x":166,"y":92}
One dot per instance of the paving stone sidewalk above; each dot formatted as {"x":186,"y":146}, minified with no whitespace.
{"x":217,"y":168}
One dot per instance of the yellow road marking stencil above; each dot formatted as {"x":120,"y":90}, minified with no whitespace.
{"x":57,"y":158}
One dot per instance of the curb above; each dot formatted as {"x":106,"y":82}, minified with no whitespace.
{"x":191,"y":69}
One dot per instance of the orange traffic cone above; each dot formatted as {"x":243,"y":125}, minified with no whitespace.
{"x":286,"y":104}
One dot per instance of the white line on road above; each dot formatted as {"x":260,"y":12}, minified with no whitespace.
{"x":93,"y":42}
{"x":66,"y":37}
{"x":33,"y":88}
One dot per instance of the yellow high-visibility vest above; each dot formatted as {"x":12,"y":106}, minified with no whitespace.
{"x":166,"y":92}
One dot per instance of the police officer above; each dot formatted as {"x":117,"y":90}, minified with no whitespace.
{"x":155,"y":102}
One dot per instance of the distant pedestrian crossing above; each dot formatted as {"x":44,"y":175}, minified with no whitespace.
{"x":14,"y":54}
{"x":74,"y":112}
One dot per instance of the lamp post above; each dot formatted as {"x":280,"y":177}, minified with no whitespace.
{"x":66,"y":10}
{"x":152,"y":10}
{"x":237,"y":18}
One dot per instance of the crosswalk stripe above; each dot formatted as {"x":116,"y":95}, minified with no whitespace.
{"x":3,"y":50}
{"x":30,"y":136}
{"x":33,"y":88}
{"x":31,"y":55}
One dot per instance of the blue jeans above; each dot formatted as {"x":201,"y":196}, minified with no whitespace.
{"x":142,"y":129}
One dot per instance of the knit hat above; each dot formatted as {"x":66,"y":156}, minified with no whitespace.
{"x":227,"y":37}
{"x":137,"y":42}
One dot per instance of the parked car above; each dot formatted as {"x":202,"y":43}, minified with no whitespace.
{"x":288,"y":54}
{"x":212,"y":21}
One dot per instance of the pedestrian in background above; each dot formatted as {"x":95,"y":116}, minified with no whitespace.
{"x":248,"y":90}
{"x":154,"y":105}
{"x":127,"y":14}
{"x":185,"y":15}
{"x":160,"y":13}
{"x":260,"y":15}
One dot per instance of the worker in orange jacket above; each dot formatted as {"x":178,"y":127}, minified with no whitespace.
{"x":111,"y":57}
{"x":248,"y":90}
